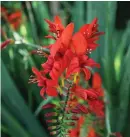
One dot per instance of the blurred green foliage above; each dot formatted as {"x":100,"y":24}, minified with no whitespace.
{"x":21,"y":102}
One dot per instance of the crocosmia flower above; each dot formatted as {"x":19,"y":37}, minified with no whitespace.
{"x":68,"y":75}
{"x":13,"y":18}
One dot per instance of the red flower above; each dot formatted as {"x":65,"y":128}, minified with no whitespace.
{"x":96,"y":81}
{"x":56,"y":66}
{"x":80,"y":109}
{"x":47,"y":66}
{"x":53,"y":67}
{"x":78,"y":44}
{"x":92,"y":95}
{"x":57,"y":69}
{"x":97,"y":84}
{"x":97,"y":107}
{"x":85,"y":94}
{"x":13,"y":18}
{"x":67,"y":59}
{"x":91,"y":34}
{"x":63,"y":43}
{"x":80,"y":64}
{"x":56,"y":26}
{"x":48,"y":86}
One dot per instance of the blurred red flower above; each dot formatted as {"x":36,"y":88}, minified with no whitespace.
{"x":13,"y":18}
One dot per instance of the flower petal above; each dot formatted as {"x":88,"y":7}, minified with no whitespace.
{"x":67,"y":58}
{"x":87,"y":73}
{"x":90,"y":27}
{"x":67,"y":35}
{"x":55,"y":47}
{"x":58,"y":23}
{"x":84,"y":28}
{"x":73,"y":67}
{"x":15,"y":15}
{"x":56,"y":70}
{"x":91,"y":63}
{"x":96,"y":81}
{"x":51,"y":91}
{"x":42,"y":92}
{"x":36,"y":71}
{"x":79,"y":44}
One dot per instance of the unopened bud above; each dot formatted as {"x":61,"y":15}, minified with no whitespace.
{"x":7,"y":42}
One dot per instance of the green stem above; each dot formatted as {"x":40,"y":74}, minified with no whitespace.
{"x":66,"y":102}
{"x":22,"y":41}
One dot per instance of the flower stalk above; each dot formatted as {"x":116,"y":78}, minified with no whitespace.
{"x":65,"y":73}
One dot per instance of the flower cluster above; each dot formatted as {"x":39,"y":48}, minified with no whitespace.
{"x":68,"y":61}
{"x":13,"y":18}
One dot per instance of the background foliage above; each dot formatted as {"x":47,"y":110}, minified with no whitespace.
{"x":21,"y":102}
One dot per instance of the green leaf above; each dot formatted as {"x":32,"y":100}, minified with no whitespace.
{"x":15,"y":103}
{"x":121,"y":47}
{"x":14,"y":128}
{"x":124,"y":93}
{"x":41,"y":12}
{"x":44,"y":102}
{"x":32,"y":22}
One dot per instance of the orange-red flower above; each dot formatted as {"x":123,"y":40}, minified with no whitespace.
{"x":56,"y":66}
{"x":62,"y":43}
{"x":14,"y":18}
{"x":79,"y":44}
{"x":56,"y":26}
{"x":81,"y":64}
{"x":47,"y":66}
{"x":91,"y":34}
{"x":68,"y":59}
{"x":92,"y":95}
{"x":97,"y":84}
{"x":83,"y":93}
{"x":97,"y":106}
{"x":48,"y":86}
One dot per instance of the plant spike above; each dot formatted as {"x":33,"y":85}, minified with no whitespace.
{"x":65,"y":73}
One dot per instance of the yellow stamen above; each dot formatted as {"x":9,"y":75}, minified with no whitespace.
{"x":75,"y":77}
{"x":62,"y":81}
{"x":60,"y":90}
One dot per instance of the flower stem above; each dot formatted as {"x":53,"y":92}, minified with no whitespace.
{"x":66,"y":102}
